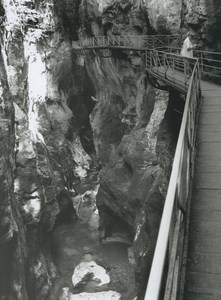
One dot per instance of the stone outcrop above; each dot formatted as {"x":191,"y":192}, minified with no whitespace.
{"x":107,"y":295}
{"x":12,"y":233}
{"x":135,"y":148}
{"x":164,"y":16}
{"x":204,"y":18}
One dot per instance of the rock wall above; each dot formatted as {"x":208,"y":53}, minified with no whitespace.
{"x":165,"y":16}
{"x":43,"y":99}
{"x":132,"y":137}
{"x":11,"y":229}
{"x":203,"y":17}
{"x":135,"y":143}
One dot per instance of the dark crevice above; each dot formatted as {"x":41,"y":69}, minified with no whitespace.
{"x":7,"y":251}
{"x":175,"y":111}
{"x":82,"y":105}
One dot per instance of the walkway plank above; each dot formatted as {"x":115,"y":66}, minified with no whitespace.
{"x":212,"y":119}
{"x":201,"y":262}
{"x":206,"y":200}
{"x":201,"y":296}
{"x":203,"y":272}
{"x":204,"y":283}
{"x":210,"y":136}
{"x":203,"y":215}
{"x":207,"y":147}
{"x":213,"y":128}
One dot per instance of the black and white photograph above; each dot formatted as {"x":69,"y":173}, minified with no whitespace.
{"x":110,"y":149}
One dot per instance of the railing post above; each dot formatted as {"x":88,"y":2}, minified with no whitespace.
{"x":164,"y":61}
{"x":185,"y":72}
{"x":201,"y":63}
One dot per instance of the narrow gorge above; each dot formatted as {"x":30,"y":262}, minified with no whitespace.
{"x":87,"y":144}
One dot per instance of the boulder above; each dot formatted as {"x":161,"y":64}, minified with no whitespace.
{"x":89,"y":269}
{"x":107,"y":295}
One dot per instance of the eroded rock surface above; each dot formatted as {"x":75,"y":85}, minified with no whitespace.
{"x":165,"y":16}
{"x":47,"y":156}
{"x":90,"y":269}
{"x":108,"y":295}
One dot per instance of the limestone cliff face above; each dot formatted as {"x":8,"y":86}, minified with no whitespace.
{"x":201,"y":16}
{"x":46,"y":157}
{"x":204,"y":17}
{"x":133,"y":139}
{"x":11,"y":230}
{"x":165,"y":16}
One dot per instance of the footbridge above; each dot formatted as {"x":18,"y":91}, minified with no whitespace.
{"x":187,"y":259}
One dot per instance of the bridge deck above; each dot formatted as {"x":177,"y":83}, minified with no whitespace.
{"x":173,"y":78}
{"x":203,"y":276}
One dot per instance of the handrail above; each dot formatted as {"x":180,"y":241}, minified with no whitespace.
{"x":165,"y":66}
{"x":210,"y":61}
{"x":130,"y":41}
{"x":210,"y":66}
{"x":179,"y":182}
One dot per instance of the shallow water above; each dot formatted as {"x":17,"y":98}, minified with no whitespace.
{"x":71,"y":241}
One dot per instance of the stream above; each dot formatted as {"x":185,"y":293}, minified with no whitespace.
{"x":77,"y":241}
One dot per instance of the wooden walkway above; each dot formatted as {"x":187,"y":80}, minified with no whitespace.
{"x":203,"y":273}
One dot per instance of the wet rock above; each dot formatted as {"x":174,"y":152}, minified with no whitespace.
{"x":89,"y":270}
{"x":107,"y":295}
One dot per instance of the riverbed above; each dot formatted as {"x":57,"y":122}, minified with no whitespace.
{"x":72,"y":240}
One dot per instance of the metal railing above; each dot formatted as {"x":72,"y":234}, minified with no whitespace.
{"x":169,"y":237}
{"x":210,"y":62}
{"x":128,"y":42}
{"x":172,"y":68}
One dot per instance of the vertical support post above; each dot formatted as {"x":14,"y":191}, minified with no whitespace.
{"x":173,"y":58}
{"x":185,"y":71}
{"x":201,"y":61}
{"x":164,"y":61}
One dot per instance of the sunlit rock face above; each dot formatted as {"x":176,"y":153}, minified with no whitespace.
{"x":12,"y":232}
{"x":107,"y":295}
{"x":47,"y":151}
{"x":164,"y":16}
